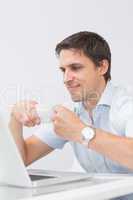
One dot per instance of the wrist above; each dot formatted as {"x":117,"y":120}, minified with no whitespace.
{"x":79,"y":131}
{"x":88,"y":134}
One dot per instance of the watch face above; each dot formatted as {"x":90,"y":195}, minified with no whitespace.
{"x":88,"y":133}
{"x":92,"y":133}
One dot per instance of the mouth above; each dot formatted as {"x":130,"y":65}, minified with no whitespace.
{"x":73,"y":87}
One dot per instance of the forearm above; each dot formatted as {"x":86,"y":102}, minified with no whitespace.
{"x":16,"y":129}
{"x":117,"y":148}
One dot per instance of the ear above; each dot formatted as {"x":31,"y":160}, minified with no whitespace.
{"x":103,"y":67}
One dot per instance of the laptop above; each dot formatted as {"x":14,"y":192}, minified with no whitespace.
{"x":13,"y":170}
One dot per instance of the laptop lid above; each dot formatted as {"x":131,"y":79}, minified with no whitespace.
{"x":12,"y":169}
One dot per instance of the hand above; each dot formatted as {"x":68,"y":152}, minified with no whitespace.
{"x":25,"y":113}
{"x":66,"y":124}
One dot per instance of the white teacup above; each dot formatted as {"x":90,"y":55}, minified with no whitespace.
{"x":45,"y":113}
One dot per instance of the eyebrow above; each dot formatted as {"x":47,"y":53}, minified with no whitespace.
{"x":72,"y":65}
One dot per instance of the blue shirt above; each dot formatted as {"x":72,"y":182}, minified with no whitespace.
{"x":114,"y":114}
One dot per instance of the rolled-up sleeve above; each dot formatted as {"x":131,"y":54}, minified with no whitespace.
{"x":47,"y":135}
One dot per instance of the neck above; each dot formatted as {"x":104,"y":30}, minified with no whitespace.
{"x":93,"y":99}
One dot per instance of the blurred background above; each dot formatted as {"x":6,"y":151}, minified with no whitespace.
{"x":29,"y":32}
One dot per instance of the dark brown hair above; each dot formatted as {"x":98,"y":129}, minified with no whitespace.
{"x":92,"y":45}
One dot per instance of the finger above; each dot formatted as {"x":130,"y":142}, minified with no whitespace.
{"x":33,"y":116}
{"x":57,"y":108}
{"x":33,"y":102}
{"x":53,"y":118}
{"x":29,"y":124}
{"x":33,"y":113}
{"x":24,"y":118}
{"x":38,"y":121}
{"x":30,"y":112}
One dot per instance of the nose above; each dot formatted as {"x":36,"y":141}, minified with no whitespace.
{"x":68,"y":76}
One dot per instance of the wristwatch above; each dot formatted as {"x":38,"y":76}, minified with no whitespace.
{"x":88,"y":134}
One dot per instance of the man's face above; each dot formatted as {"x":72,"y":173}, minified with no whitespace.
{"x":80,"y":74}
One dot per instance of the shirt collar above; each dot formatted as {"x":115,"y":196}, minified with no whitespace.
{"x":107,"y":95}
{"x":106,"y":98}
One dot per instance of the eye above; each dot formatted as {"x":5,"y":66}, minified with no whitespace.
{"x":62,"y":69}
{"x":75,"y":68}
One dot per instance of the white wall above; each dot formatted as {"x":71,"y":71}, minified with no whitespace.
{"x":29,"y":31}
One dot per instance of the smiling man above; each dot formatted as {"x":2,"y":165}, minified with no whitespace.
{"x":99,"y":129}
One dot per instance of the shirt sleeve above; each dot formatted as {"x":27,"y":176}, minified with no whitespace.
{"x":47,"y":135}
{"x":129,"y":128}
{"x":122,"y":115}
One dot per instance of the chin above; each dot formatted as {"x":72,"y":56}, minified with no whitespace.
{"x":76,"y":98}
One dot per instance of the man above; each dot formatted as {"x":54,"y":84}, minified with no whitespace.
{"x":99,"y":129}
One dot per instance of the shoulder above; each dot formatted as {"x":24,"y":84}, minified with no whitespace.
{"x":121,"y":109}
{"x":122,"y":99}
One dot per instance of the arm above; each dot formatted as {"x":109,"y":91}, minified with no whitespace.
{"x":32,"y":148}
{"x":117,"y":148}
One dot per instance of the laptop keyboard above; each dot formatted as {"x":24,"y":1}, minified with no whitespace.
{"x":39,"y":177}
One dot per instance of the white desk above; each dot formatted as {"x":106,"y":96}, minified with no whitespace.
{"x":98,"y":188}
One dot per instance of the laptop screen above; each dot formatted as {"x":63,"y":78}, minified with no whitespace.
{"x":39,"y":177}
